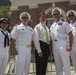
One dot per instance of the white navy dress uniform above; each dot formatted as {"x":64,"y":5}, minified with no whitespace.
{"x":4,"y":50}
{"x":59,"y":32}
{"x":3,"y":53}
{"x":73,"y":26}
{"x":23,"y":36}
{"x":73,"y":52}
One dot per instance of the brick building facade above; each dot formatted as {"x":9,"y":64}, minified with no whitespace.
{"x":42,"y":7}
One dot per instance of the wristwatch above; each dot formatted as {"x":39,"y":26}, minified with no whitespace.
{"x":70,"y":45}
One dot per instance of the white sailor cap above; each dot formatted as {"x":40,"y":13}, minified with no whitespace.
{"x":56,"y":11}
{"x":71,"y":13}
{"x":3,"y":20}
{"x":25,"y":14}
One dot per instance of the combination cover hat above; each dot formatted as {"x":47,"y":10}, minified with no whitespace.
{"x":4,"y":20}
{"x":71,"y":13}
{"x":25,"y":14}
{"x":56,"y":11}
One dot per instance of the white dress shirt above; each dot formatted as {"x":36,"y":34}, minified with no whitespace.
{"x":40,"y":35}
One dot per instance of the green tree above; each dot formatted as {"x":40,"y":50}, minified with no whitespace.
{"x":4,"y":12}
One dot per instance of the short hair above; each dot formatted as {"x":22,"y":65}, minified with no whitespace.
{"x":42,"y":13}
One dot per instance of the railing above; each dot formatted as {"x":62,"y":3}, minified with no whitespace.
{"x":12,"y":62}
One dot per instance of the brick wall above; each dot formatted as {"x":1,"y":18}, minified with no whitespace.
{"x":14,"y":18}
{"x":34,"y":17}
{"x":34,"y":12}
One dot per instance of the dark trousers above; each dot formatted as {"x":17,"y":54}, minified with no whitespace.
{"x":41,"y":62}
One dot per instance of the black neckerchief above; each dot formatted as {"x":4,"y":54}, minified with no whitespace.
{"x":6,"y":39}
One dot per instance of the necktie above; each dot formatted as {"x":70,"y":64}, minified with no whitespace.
{"x":47,"y":37}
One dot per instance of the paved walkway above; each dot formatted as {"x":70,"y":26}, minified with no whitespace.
{"x":50,"y":69}
{"x":54,"y":73}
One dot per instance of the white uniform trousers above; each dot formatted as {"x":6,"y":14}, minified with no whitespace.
{"x":61,"y":57}
{"x":3,"y":63}
{"x":23,"y":61}
{"x":73,"y":56}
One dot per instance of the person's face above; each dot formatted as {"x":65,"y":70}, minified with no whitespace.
{"x":43,"y":18}
{"x":25,"y":19}
{"x":56,"y":16}
{"x":71,"y":18}
{"x":3,"y":25}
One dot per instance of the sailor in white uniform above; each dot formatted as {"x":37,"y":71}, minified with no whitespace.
{"x":4,"y":45}
{"x":59,"y":31}
{"x":71,"y":15}
{"x":22,"y":36}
